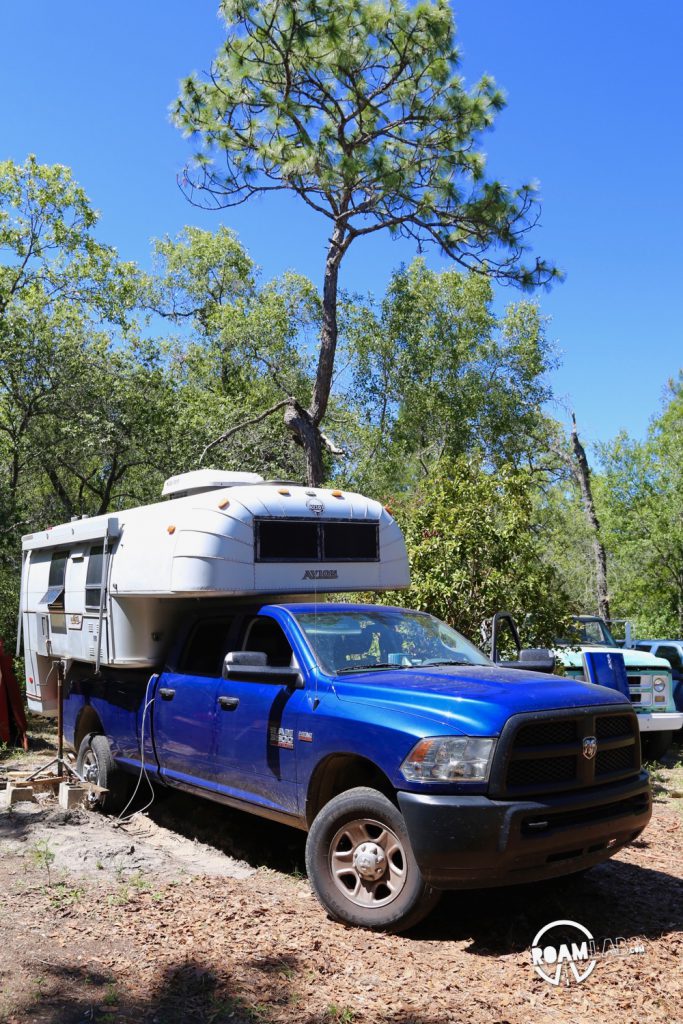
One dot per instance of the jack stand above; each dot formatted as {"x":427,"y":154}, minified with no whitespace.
{"x":64,"y":769}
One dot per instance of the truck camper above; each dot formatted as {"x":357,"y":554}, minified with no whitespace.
{"x":110,"y":590}
{"x":198,"y":644}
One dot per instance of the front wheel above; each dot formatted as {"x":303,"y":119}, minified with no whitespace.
{"x":361,"y":865}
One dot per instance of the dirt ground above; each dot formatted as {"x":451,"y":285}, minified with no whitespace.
{"x":194,"y":913}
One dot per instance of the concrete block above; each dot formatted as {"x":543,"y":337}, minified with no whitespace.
{"x":15,"y":794}
{"x":71,"y":794}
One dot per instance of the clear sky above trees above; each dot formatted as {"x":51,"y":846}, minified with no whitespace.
{"x":592,"y":93}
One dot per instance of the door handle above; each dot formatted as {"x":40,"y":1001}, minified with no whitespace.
{"x":165,"y":693}
{"x":228,"y":703}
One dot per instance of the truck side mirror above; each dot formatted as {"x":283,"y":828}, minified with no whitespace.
{"x":537,"y":659}
{"x":533,"y":659}
{"x":253,"y":665}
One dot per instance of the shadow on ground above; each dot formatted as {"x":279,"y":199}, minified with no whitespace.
{"x":183,"y":993}
{"x":613,"y":899}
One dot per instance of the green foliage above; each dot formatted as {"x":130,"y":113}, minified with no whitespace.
{"x":437,"y":373}
{"x":641,"y":501}
{"x":474,"y":549}
{"x":567,"y":542}
{"x":248,"y":347}
{"x":43,"y":856}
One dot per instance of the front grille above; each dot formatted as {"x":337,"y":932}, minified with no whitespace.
{"x":539,"y":733}
{"x":564,"y":751}
{"x":526,"y":773}
{"x":618,"y":760}
{"x":612,"y":725}
{"x":634,"y":680}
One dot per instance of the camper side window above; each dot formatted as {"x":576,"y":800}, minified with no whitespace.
{"x":93,"y":580}
{"x":54,"y":598}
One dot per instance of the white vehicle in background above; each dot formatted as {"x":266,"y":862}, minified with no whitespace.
{"x":672,"y":650}
{"x":649,"y":681}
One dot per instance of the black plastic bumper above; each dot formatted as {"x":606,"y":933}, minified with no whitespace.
{"x":474,"y":842}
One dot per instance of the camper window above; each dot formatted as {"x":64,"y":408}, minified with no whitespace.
{"x":292,"y":540}
{"x":93,"y":580}
{"x":55,"y":593}
{"x":54,"y":598}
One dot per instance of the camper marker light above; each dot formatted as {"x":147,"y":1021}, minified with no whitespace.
{"x":449,"y":759}
{"x":337,"y":494}
{"x":283,"y":490}
{"x":224,"y":503}
{"x":171,"y":529}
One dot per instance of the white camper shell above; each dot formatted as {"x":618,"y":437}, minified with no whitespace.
{"x":109,"y":590}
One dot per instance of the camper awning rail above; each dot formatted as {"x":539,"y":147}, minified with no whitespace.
{"x":79,"y":530}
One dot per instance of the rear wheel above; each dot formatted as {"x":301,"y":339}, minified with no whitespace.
{"x":655,"y":744}
{"x":361,"y":865}
{"x":95,"y":764}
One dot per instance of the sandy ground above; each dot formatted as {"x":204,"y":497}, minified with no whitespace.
{"x":195,"y":913}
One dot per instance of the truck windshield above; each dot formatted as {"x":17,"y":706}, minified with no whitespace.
{"x":589,"y":630}
{"x":358,"y":641}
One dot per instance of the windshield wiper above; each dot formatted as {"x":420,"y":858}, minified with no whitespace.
{"x":369,"y":668}
{"x":443,"y":661}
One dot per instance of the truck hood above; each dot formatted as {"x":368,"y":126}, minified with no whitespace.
{"x":571,"y":658}
{"x":475,"y":700}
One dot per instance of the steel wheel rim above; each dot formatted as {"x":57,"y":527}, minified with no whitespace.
{"x":358,"y":852}
{"x":91,"y":773}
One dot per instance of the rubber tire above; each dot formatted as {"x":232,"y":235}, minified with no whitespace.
{"x":109,"y":776}
{"x":416,"y":900}
{"x":654,"y":745}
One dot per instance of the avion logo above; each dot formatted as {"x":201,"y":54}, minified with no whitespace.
{"x":320,"y":574}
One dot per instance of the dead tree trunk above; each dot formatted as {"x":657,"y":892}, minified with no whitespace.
{"x":582,"y":475}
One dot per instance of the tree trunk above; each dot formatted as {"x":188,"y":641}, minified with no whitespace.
{"x":306,"y":434}
{"x":582,"y":475}
{"x":328,"y":334}
{"x":305,"y":424}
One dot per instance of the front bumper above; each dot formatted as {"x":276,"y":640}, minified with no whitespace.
{"x":660,"y":721}
{"x":475,"y":842}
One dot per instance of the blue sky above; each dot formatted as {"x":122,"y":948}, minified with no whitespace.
{"x":593,"y":113}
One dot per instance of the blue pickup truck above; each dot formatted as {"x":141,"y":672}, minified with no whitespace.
{"x":414,"y":763}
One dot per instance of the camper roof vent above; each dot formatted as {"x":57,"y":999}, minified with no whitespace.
{"x":199,"y":480}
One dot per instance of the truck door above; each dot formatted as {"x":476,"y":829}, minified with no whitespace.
{"x":256,"y":723}
{"x":185,"y":705}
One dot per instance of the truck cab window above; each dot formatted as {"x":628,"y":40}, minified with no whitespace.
{"x":206,"y":648}
{"x":671,"y":654}
{"x":263,"y":634}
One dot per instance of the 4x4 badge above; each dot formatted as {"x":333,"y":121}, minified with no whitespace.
{"x":590,"y":746}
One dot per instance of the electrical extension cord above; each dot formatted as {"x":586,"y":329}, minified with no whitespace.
{"x":121,"y":820}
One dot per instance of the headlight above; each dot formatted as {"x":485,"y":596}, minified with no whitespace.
{"x":449,"y":759}
{"x":659,"y":684}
